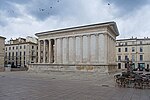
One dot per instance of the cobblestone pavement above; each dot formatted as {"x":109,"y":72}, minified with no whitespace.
{"x":65,"y":86}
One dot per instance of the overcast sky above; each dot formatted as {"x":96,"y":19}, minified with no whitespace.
{"x":21,"y":18}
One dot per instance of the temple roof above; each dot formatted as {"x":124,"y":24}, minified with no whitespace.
{"x":111,"y":24}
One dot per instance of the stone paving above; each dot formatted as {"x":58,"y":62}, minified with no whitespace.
{"x":65,"y":86}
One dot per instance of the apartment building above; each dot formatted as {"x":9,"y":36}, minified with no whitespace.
{"x":20,"y":52}
{"x":134,"y":49}
{"x":2,"y":51}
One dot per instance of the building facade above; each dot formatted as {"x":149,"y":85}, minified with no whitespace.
{"x":2,"y":52}
{"x":83,"y":48}
{"x":20,"y":52}
{"x":136,"y":50}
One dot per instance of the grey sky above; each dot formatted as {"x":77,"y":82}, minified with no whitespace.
{"x":128,"y":6}
{"x":20,"y":18}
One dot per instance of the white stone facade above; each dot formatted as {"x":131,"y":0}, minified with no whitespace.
{"x":2,"y":51}
{"x":84,"y":48}
{"x":137,"y":50}
{"x":20,"y":53}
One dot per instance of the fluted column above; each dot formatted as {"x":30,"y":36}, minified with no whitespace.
{"x":89,"y":48}
{"x":44,"y":52}
{"x":39,"y":51}
{"x":61,"y":52}
{"x":67,"y":55}
{"x":110,"y":49}
{"x":55,"y":51}
{"x":50,"y":46}
{"x":81,"y":46}
{"x":74,"y":49}
{"x":97,"y":48}
{"x":106,"y":48}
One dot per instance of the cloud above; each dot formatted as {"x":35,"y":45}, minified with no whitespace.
{"x":137,"y":24}
{"x":65,"y":13}
{"x":31,"y":16}
{"x":127,"y":6}
{"x":78,"y":9}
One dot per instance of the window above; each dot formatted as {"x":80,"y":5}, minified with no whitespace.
{"x":9,"y":56}
{"x":24,"y":53}
{"x":20,"y":47}
{"x":9,"y":48}
{"x":140,"y":42}
{"x":12,"y":55}
{"x":141,"y":49}
{"x":126,"y":43}
{"x":6,"y":54}
{"x":16,"y":47}
{"x":20,"y":53}
{"x":119,"y":58}
{"x":119,"y":49}
{"x":141,"y":57}
{"x":133,"y":49}
{"x":133,"y":58}
{"x":32,"y":47}
{"x":24,"y":47}
{"x":20,"y":62}
{"x":126,"y":49}
{"x":6,"y":48}
{"x":126,"y":57}
{"x":13,"y":48}
{"x":125,"y":65}
{"x":147,"y":66}
{"x":119,"y":65}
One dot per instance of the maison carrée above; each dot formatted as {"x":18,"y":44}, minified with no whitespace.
{"x":83,"y":48}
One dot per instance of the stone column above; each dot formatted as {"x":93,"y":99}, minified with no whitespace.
{"x":114,"y":48}
{"x":61,"y":47}
{"x":106,"y":48}
{"x":39,"y":51}
{"x":44,"y":52}
{"x":97,"y":48}
{"x":50,"y":46}
{"x":55,"y":51}
{"x":67,"y":53}
{"x":74,"y":49}
{"x":111,"y":43}
{"x":89,"y":48}
{"x":110,"y":49}
{"x":81,"y":46}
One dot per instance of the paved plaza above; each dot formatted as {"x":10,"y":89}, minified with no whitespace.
{"x":65,"y":86}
